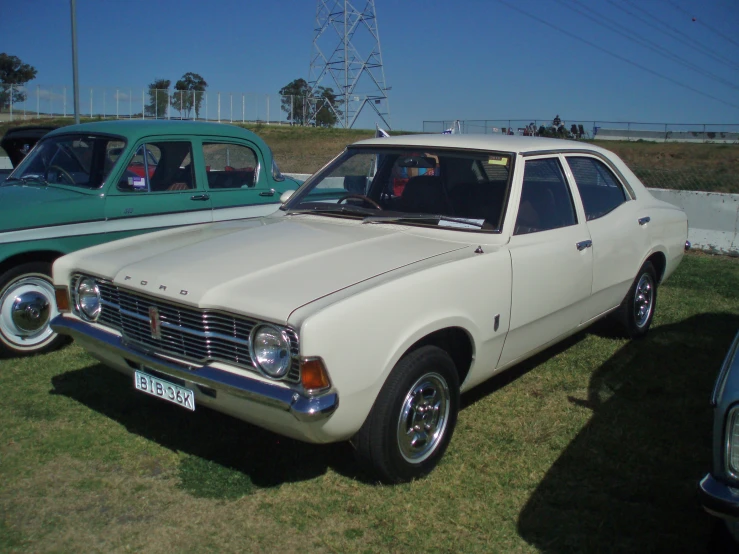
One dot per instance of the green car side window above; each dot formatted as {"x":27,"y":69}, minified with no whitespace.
{"x":230,"y":166}
{"x":159,"y":167}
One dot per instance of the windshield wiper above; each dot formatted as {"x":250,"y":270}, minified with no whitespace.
{"x":459,"y":222}
{"x":334,"y":209}
{"x":31,"y":178}
{"x":34,"y":178}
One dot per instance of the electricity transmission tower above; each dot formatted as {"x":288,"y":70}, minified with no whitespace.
{"x":347,"y":58}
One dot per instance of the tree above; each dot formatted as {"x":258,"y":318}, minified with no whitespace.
{"x":158,"y":98}
{"x":328,"y":108}
{"x":293,"y":100}
{"x":13,"y":72}
{"x":300,"y":105}
{"x":189,"y":94}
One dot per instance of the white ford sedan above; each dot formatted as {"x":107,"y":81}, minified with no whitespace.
{"x":406,"y":271}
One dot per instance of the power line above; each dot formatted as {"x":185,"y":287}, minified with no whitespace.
{"x":719,"y":33}
{"x":674,"y":33}
{"x":646,"y":43}
{"x":628,"y":61}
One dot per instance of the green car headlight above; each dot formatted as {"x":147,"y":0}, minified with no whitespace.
{"x":270,"y":350}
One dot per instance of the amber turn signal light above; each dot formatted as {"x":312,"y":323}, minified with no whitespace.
{"x":62,"y":299}
{"x":313,"y":374}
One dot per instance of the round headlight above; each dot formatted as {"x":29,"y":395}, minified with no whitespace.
{"x":88,"y":298}
{"x":270,"y":350}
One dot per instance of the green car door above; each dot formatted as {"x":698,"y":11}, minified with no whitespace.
{"x":156,"y":189}
{"x":239,"y":182}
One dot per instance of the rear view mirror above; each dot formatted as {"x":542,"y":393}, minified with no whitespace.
{"x":424,"y":162}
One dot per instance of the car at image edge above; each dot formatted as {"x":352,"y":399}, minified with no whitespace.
{"x":86,"y":184}
{"x":719,"y":489}
{"x":359,"y":311}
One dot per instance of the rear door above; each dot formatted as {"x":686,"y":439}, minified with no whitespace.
{"x":237,"y":180}
{"x":551,"y":260}
{"x":618,"y":228}
{"x":158,"y":189}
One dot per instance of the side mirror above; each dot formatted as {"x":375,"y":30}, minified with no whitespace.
{"x":285,"y":196}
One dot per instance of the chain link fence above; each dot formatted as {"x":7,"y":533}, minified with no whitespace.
{"x":593,"y":129}
{"x":19,"y":102}
{"x":705,"y":179}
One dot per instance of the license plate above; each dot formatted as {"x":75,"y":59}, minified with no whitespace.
{"x":165,"y":390}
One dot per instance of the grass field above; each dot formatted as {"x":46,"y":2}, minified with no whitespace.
{"x":706,"y":167}
{"x":593,"y":446}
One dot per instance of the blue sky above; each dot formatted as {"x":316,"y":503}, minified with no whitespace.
{"x":469,"y":59}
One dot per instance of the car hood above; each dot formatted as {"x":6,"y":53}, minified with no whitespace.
{"x":265,"y":268}
{"x":32,"y":205}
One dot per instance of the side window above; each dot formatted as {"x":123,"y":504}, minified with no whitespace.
{"x":599,"y":188}
{"x":158,"y":167}
{"x":546,"y":202}
{"x":230,"y":166}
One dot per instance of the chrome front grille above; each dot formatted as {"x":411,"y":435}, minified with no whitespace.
{"x":189,"y":333}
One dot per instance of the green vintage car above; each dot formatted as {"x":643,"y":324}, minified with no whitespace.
{"x":86,"y":184}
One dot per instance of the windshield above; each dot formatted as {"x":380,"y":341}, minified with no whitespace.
{"x":415,"y":186}
{"x":74,"y":160}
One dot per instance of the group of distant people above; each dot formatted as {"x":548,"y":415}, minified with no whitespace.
{"x":557,"y":128}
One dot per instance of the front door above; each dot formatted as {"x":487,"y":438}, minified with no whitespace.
{"x":552,"y":261}
{"x":157,"y":190}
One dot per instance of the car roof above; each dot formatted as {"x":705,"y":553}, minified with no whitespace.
{"x":497,"y":143}
{"x":134,"y":129}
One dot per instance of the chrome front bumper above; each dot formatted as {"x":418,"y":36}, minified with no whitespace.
{"x":718,"y":498}
{"x":304,"y":408}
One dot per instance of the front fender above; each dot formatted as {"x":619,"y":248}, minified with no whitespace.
{"x":362,"y":336}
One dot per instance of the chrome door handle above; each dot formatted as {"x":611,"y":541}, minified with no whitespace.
{"x":644,"y":220}
{"x":270,"y":192}
{"x":200,"y":197}
{"x":582,"y":245}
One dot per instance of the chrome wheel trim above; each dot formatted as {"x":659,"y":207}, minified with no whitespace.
{"x":423,"y":418}
{"x":643,"y":300}
{"x":27,"y":305}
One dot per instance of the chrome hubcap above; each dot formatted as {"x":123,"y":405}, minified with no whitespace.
{"x":30,"y":311}
{"x":27,"y":305}
{"x":423,"y":417}
{"x":643,"y":300}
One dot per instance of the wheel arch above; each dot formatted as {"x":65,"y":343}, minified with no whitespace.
{"x":456,"y":342}
{"x":47,"y":256}
{"x":659,"y":261}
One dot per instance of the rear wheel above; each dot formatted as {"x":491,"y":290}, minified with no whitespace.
{"x":27,"y":305}
{"x":637,"y":310}
{"x":413,"y":418}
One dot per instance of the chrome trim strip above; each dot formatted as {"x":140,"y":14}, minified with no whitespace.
{"x":304,"y":408}
{"x":718,"y":388}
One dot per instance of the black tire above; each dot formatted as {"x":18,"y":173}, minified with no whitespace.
{"x":637,"y":309}
{"x":28,"y":281}
{"x":423,"y":387}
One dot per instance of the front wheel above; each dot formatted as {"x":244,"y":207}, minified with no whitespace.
{"x":27,"y":305}
{"x":413,"y":418}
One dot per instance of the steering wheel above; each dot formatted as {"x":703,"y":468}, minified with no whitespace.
{"x":361,"y":197}
{"x":62,"y":172}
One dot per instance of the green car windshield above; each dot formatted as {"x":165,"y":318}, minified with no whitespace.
{"x":73,"y":160}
